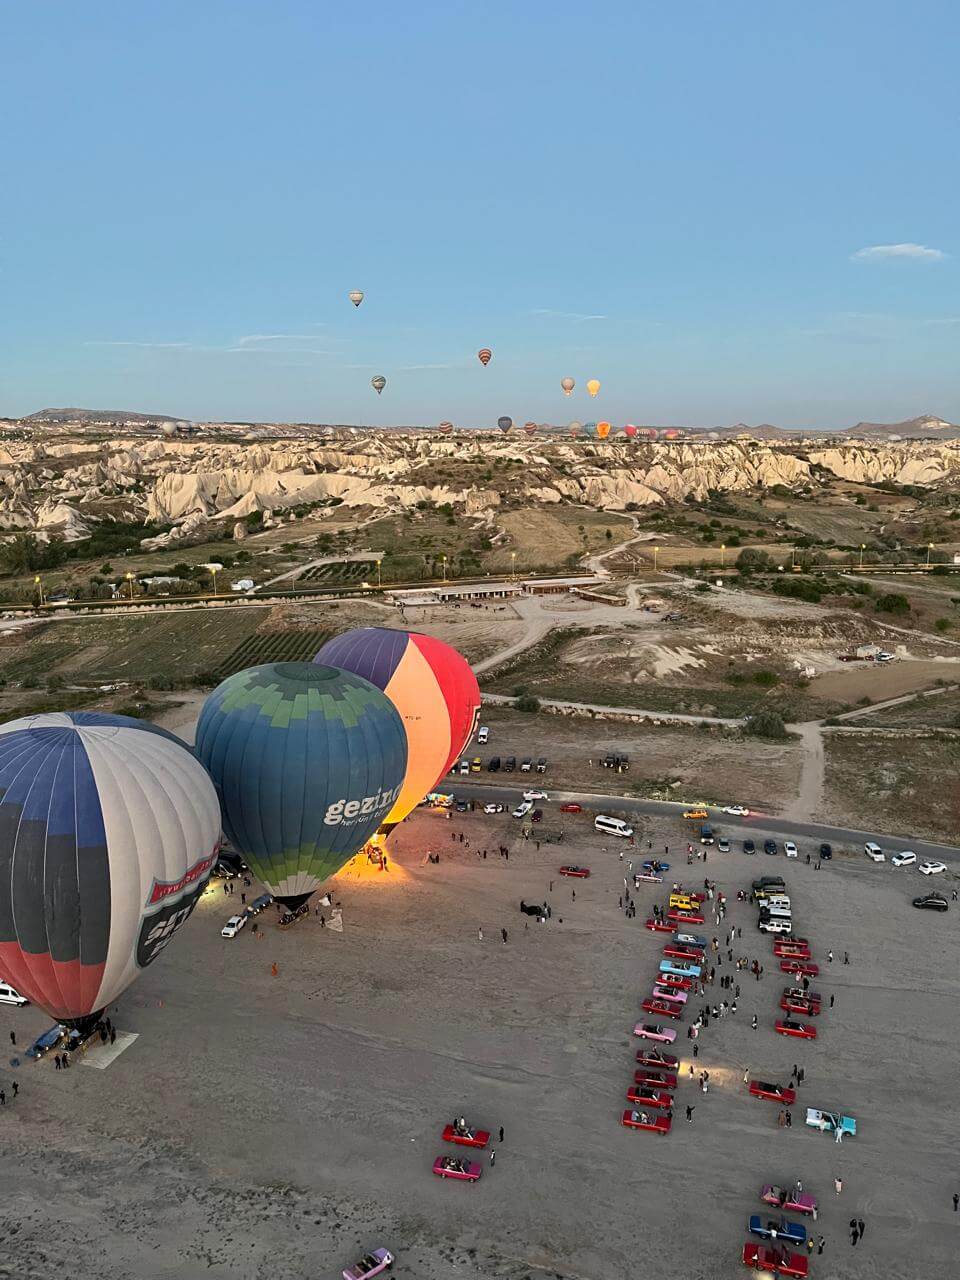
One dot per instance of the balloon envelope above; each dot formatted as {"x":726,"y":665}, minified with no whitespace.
{"x":603,"y":430}
{"x":568,"y":384}
{"x":484,"y":355}
{"x":307,"y":761}
{"x":593,"y":386}
{"x":575,"y":428}
{"x":355,"y":296}
{"x":378,"y":383}
{"x":529,"y":428}
{"x":504,"y":423}
{"x":445,"y":428}
{"x":109,"y":828}
{"x":630,"y":431}
{"x":432,"y":687}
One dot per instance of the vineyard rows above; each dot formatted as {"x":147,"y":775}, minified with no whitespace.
{"x":272,"y":646}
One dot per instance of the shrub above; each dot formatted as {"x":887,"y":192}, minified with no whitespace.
{"x":527,"y":702}
{"x":765,"y":724}
{"x":892,"y":602}
{"x":943,"y":624}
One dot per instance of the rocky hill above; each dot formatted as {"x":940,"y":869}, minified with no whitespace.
{"x":63,"y":486}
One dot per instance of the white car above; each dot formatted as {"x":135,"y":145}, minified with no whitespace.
{"x":535,"y":795}
{"x":931,"y":868}
{"x":790,"y":849}
{"x":522,"y":810}
{"x":874,"y":852}
{"x":233,"y":926}
{"x":10,"y":996}
{"x":493,"y":808}
{"x":737,"y":810}
{"x":905,"y":859}
{"x":483,"y":734}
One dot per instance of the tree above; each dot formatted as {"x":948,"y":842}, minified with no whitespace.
{"x":892,"y":602}
{"x":527,"y":702}
{"x":753,"y":560}
{"x":765,"y":724}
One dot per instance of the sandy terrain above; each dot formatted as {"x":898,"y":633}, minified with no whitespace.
{"x":272,"y":1127}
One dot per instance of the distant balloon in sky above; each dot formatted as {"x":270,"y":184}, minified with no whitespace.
{"x":355,"y":296}
{"x":603,"y":430}
{"x":529,"y":428}
{"x":630,"y":431}
{"x":307,"y":761}
{"x":445,"y":428}
{"x":378,"y":383}
{"x":575,"y":428}
{"x":593,"y":386}
{"x":590,"y":428}
{"x":109,"y":829}
{"x":484,"y":355}
{"x":568,"y":384}
{"x":433,"y":689}
{"x":504,"y":423}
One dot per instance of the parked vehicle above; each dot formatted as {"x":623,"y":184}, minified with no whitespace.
{"x":527,"y":765}
{"x":494,"y":765}
{"x":612,"y":826}
{"x":8,"y":995}
{"x":542,"y":765}
{"x":874,"y":852}
{"x":932,"y":902}
{"x":510,"y":764}
{"x":483,"y":734}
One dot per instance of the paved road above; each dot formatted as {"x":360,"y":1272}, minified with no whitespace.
{"x":756,"y":825}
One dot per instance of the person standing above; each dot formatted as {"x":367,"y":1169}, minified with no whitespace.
{"x":753,"y":1022}
{"x":493,"y":1157}
{"x":832,"y":998}
{"x":956,"y":1201}
{"x":16,"y":1088}
{"x":838,"y":1185}
{"x":820,"y":1243}
{"x":480,"y":934}
{"x":56,"y":1060}
{"x":690,"y":1111}
{"x":501,"y":1133}
{"x":503,"y":934}
{"x":861,"y":1227}
{"x":13,"y":1037}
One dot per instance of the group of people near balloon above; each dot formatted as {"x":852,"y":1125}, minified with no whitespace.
{"x":111,"y":826}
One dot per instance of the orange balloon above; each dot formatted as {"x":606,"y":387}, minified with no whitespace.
{"x":603,"y":430}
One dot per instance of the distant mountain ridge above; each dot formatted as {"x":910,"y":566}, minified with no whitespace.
{"x":98,"y":415}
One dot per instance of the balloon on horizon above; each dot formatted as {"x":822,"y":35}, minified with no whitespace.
{"x":109,"y":829}
{"x":307,"y":761}
{"x":603,"y":430}
{"x":504,"y":423}
{"x":433,"y":689}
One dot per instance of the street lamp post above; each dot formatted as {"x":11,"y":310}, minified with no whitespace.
{"x":130,"y":584}
{"x":723,"y":555}
{"x":929,"y":549}
{"x":444,"y":562}
{"x":863,"y":547}
{"x":656,"y":552}
{"x":38,"y":583}
{"x":214,"y":573}
{"x":379,"y":582}
{"x":513,"y":564}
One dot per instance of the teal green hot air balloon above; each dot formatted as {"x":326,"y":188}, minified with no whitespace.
{"x":307,"y":761}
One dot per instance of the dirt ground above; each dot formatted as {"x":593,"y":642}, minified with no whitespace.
{"x":892,"y":784}
{"x":274,"y":1127}
{"x":705,"y":766}
{"x":880,"y":680}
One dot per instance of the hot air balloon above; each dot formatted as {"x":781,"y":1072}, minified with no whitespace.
{"x":109,"y":828}
{"x":603,"y":430}
{"x":529,"y":428}
{"x":445,"y":428}
{"x":307,"y":762}
{"x":590,"y":428}
{"x":672,"y":433}
{"x":575,"y":428}
{"x":630,"y":431}
{"x":504,"y":424}
{"x":378,"y":383}
{"x":568,"y":384}
{"x":355,"y":296}
{"x":433,"y":689}
{"x":593,"y":386}
{"x":484,"y":355}
{"x":647,"y":433}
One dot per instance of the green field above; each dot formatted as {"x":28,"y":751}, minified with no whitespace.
{"x":272,"y":646}
{"x":347,"y":571}
{"x":105,"y":650}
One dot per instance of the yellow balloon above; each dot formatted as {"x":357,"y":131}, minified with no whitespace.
{"x":593,"y":386}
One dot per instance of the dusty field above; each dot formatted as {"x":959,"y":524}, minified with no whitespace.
{"x":273,"y":1128}
{"x":936,"y":709}
{"x":878,"y":681}
{"x":703,"y":765}
{"x":893,"y":784}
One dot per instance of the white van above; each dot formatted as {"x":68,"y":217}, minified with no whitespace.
{"x":612,"y":826}
{"x":874,"y":852}
{"x":776,"y":925}
{"x":9,"y":996}
{"x":483,"y":733}
{"x":779,"y":900}
{"x":775,"y":911}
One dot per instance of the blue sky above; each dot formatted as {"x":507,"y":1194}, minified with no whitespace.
{"x":666,"y":197}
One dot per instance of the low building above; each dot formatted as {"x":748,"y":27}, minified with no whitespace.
{"x":557,"y":586}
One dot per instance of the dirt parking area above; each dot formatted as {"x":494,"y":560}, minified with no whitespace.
{"x":275,"y":1127}
{"x":667,"y":762}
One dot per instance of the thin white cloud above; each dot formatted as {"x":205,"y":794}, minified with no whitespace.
{"x":946,"y":320}
{"x":416,"y":368}
{"x":160,"y":345}
{"x":576,"y":316}
{"x":251,"y":338}
{"x":881,"y":252}
{"x":275,"y":351}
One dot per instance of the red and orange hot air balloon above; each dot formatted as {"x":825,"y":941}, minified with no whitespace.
{"x":630,"y":431}
{"x":603,"y":430}
{"x":529,"y":428}
{"x":432,"y":687}
{"x":445,"y":428}
{"x":484,"y":355}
